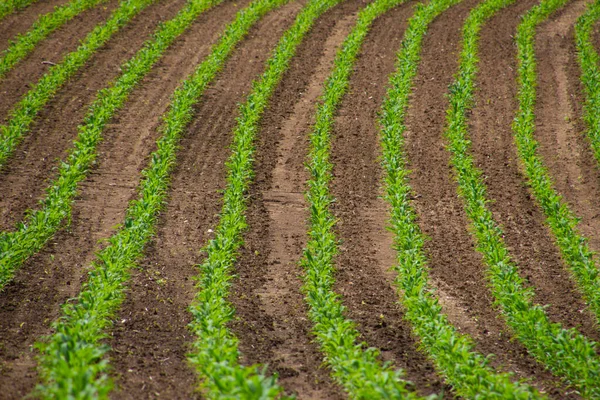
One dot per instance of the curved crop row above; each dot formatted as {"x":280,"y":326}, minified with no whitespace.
{"x":566,"y":353}
{"x":31,"y":235}
{"x":354,"y":366}
{"x":215,"y":352}
{"x":25,"y":111}
{"x":451,"y":352}
{"x":560,"y":218}
{"x":45,"y":25}
{"x":8,"y":7}
{"x":589,"y":61}
{"x":72,"y":361}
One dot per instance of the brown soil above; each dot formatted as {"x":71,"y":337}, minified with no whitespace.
{"x":273,"y":322}
{"x":26,"y":175}
{"x":54,"y":275}
{"x":529,"y":240}
{"x":560,"y":129}
{"x":456,"y":268}
{"x":21,"y":21}
{"x":52,"y":49}
{"x":152,"y":339}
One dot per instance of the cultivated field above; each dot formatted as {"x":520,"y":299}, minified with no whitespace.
{"x":326,"y":199}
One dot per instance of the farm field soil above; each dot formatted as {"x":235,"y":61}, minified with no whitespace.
{"x":150,"y":339}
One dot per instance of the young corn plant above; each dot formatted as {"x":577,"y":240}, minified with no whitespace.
{"x":8,"y":7}
{"x":452,"y":353}
{"x":24,"y":113}
{"x":72,"y":362}
{"x":24,"y":44}
{"x":42,"y":224}
{"x":215,"y":353}
{"x":565,"y":352}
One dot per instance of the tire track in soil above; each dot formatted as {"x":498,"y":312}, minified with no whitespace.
{"x":52,"y":49}
{"x":560,"y":129}
{"x":273,"y":324}
{"x":34,"y":163}
{"x":530,"y":242}
{"x":153,"y":340}
{"x":20,"y":21}
{"x":456,"y":268}
{"x":363,"y":278}
{"x":48,"y":279}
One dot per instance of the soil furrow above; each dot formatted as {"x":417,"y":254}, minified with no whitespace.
{"x":26,"y":175}
{"x":28,"y":305}
{"x":457,"y":270}
{"x":50,"y":50}
{"x":366,"y":255}
{"x":272,"y":313}
{"x":560,"y":129}
{"x":151,"y":338}
{"x":529,"y":240}
{"x":21,"y":21}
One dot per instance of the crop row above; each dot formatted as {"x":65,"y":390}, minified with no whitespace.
{"x":566,"y":353}
{"x":589,"y":61}
{"x":45,"y":25}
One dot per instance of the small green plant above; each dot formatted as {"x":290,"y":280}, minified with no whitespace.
{"x":565,"y":352}
{"x":72,"y":363}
